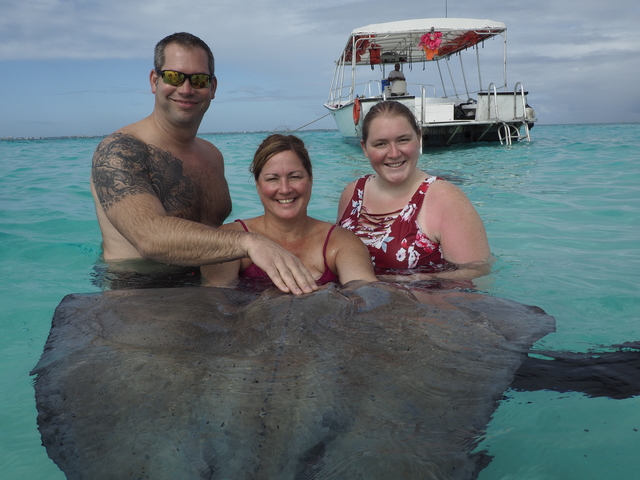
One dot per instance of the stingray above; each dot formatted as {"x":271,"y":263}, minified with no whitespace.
{"x":612,"y":372}
{"x":366,"y":381}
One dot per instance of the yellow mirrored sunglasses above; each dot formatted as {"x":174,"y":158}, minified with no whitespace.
{"x":174,"y":78}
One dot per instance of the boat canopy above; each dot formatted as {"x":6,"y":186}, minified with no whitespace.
{"x":420,"y":40}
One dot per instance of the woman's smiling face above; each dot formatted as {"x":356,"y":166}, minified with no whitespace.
{"x":284,"y":186}
{"x":392,"y":147}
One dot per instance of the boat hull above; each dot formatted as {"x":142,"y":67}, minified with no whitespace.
{"x":443,"y":130}
{"x":443,"y":135}
{"x":344,"y":117}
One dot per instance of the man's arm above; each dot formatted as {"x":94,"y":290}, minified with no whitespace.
{"x":126,"y":195}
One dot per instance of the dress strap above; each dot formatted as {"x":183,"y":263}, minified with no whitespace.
{"x":362,"y":181}
{"x":332,"y":277}
{"x":418,"y":196}
{"x":243,"y":225}
{"x":324,"y":248}
{"x":352,"y":210}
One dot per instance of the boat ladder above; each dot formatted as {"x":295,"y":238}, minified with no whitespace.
{"x":508,"y":132}
{"x":510,"y":127}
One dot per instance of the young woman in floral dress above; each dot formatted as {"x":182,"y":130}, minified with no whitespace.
{"x":414,"y":224}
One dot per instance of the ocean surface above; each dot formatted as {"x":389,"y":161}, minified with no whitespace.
{"x":563,"y":218}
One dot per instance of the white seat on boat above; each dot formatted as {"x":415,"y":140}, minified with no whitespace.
{"x":398,"y":87}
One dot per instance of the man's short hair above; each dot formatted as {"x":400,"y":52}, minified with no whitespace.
{"x":185,"y":40}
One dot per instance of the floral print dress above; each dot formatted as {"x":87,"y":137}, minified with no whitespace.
{"x":395,"y":240}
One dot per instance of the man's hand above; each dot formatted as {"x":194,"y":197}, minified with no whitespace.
{"x":285,"y":270}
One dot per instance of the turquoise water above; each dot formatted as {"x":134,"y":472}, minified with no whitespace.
{"x":563,"y":218}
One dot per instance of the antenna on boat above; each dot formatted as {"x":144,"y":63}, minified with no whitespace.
{"x":446,"y":8}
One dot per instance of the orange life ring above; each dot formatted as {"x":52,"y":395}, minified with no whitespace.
{"x":356,"y":111}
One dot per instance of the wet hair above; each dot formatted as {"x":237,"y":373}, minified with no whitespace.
{"x":278,"y":143}
{"x":185,"y":40}
{"x":392,"y":109}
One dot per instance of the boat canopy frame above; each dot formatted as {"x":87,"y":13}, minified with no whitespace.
{"x":413,"y":41}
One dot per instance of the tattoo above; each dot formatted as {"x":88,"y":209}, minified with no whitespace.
{"x":124,"y":166}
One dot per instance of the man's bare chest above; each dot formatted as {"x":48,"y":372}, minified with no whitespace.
{"x":196,"y":192}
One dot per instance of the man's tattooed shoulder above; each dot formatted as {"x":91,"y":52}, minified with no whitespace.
{"x":122,"y":149}
{"x":120,"y":168}
{"x":124,"y":165}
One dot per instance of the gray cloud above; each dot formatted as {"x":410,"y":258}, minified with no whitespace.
{"x":577,"y":58}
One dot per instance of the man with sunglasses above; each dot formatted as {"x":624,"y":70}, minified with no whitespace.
{"x":160,"y":191}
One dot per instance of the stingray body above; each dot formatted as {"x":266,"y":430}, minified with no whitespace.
{"x":370,"y":381}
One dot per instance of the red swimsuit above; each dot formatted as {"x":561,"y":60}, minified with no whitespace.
{"x":394,"y":240}
{"x":253,"y":271}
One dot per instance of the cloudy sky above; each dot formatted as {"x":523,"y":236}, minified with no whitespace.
{"x":80,"y":67}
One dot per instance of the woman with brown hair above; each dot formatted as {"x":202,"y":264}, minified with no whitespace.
{"x":283,"y":174}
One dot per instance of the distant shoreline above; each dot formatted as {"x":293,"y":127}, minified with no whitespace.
{"x":285,"y":131}
{"x":204,"y":133}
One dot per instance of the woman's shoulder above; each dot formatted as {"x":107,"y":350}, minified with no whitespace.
{"x":349,"y":191}
{"x":342,"y":236}
{"x":440,"y":187}
{"x":321,"y":226}
{"x":348,"y":256}
{"x":444,"y":199}
{"x":323,"y":231}
{"x":236,"y":225}
{"x":352,"y":185}
{"x":346,"y":196}
{"x":340,"y":239}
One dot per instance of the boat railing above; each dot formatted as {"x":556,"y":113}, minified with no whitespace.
{"x":493,"y":91}
{"x":423,"y":101}
{"x":523,"y":100}
{"x":508,"y":106}
{"x":368,"y":91}
{"x":371,"y":89}
{"x":339,"y":97}
{"x":508,"y":132}
{"x":423,"y":89}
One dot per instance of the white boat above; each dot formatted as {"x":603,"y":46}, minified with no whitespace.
{"x":459,"y":113}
